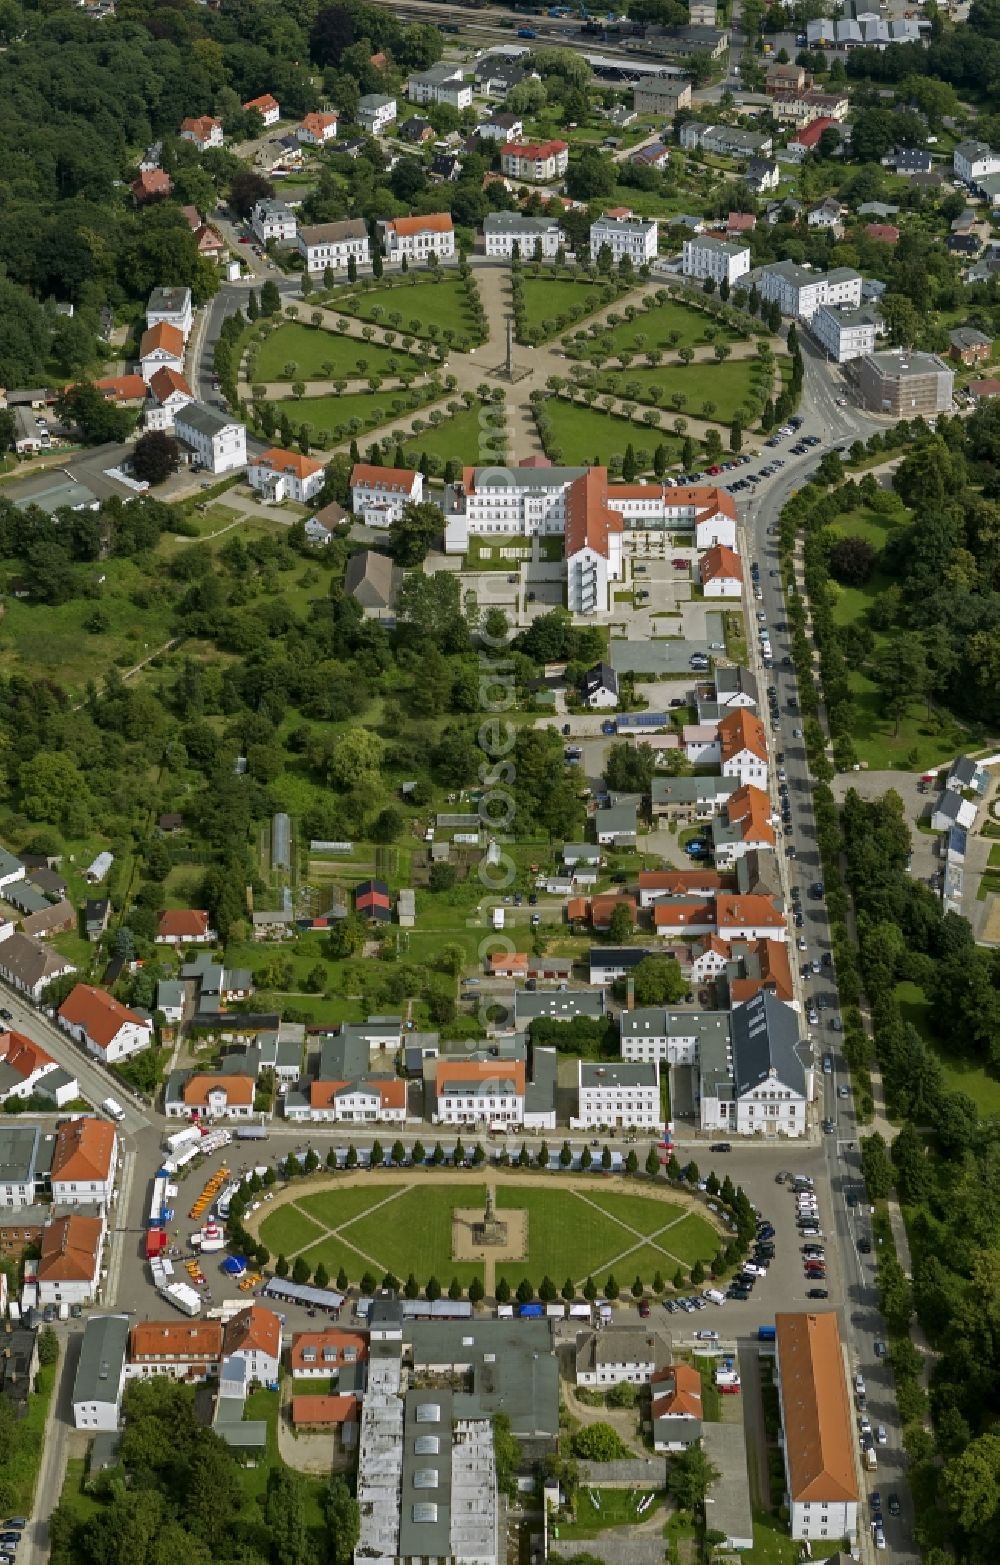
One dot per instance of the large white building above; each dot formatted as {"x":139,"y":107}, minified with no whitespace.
{"x":759,"y":1081}
{"x":279,"y":475}
{"x":100,"y":1374}
{"x":800,"y":292}
{"x":846,"y":333}
{"x":104,"y":1026}
{"x":539,"y":162}
{"x":84,"y":1160}
{"x":378,"y":494}
{"x":481,"y":1093}
{"x":440,"y":84}
{"x":376,"y":113}
{"x":705,"y":257}
{"x":593,"y":543}
{"x":634,"y":237}
{"x":817,"y":1424}
{"x":218,"y":442}
{"x":333,"y":245}
{"x":507,"y":233}
{"x":618,"y":1095}
{"x":417,"y":238}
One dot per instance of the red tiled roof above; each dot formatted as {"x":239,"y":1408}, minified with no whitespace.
{"x":84,"y":1150}
{"x":294,"y":462}
{"x":265,"y":103}
{"x":99,"y":1012}
{"x":589,"y":521}
{"x":71,"y":1248}
{"x":809,"y":135}
{"x":23,"y":1055}
{"x":122,"y":388}
{"x":882,"y":233}
{"x":166,"y":381}
{"x":183,"y":923}
{"x":152,"y":182}
{"x":167,"y":1339}
{"x":816,"y":1414}
{"x":253,"y":1328}
{"x":675,"y":882}
{"x":391,"y":1091}
{"x":480,"y":1070}
{"x":720,"y":563}
{"x":382,"y":477}
{"x":534,"y":149}
{"x":742,"y":730}
{"x":164,"y":336}
{"x":323,"y":1410}
{"x":239,"y":1090}
{"x":322,"y":1342}
{"x":431,"y":222}
{"x":683,"y":915}
{"x":753,"y":910}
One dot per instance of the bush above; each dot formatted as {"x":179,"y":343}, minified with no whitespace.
{"x":600,"y":1443}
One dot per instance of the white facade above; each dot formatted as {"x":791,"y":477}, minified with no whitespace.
{"x":507,"y":232}
{"x":537,"y":162}
{"x":845,"y":334}
{"x":716,"y":258}
{"x":130,"y":1037}
{"x":587,"y":576}
{"x":285,"y":475}
{"x":360,"y":1103}
{"x":159,"y":414}
{"x":220,"y":444}
{"x":417,"y":238}
{"x":317,"y":130}
{"x":170,"y":307}
{"x":376,"y":113}
{"x":617,"y":1095}
{"x":634,"y":237}
{"x":614,"y":1357}
{"x":973,"y":160}
{"x":748,"y":766}
{"x":333,"y":244}
{"x":204,"y":132}
{"x":273,"y":220}
{"x":800,"y":292}
{"x":722,"y":586}
{"x":378,"y":495}
{"x":440,"y":84}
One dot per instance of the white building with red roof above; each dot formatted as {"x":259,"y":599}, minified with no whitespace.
{"x":23,"y":1066}
{"x":183,"y":926}
{"x":536,"y":161}
{"x":84,"y":1161}
{"x":720,"y":572}
{"x":254,"y":1335}
{"x":743,"y":748}
{"x":378,"y":494}
{"x":285,"y":475}
{"x":318,"y":129}
{"x":266,"y":106}
{"x":203,"y":131}
{"x":168,"y":392}
{"x":104,"y":1026}
{"x":161,"y":346}
{"x":417,"y":238}
{"x":593,"y":543}
{"x":69,"y":1267}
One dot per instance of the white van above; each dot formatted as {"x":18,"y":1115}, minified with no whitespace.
{"x":112,"y":1107}
{"x":714,"y":1296}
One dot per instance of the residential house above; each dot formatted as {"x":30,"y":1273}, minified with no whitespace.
{"x":749,"y":918}
{"x":821,"y":1482}
{"x":379,"y":494}
{"x":653,"y":155}
{"x":417,"y":238}
{"x":365,"y":1100}
{"x":676,"y":1408}
{"x":950,"y":810}
{"x":334,"y":245}
{"x":973,"y":160}
{"x":321,"y":1355}
{"x":720,"y":573}
{"x":273,"y":220}
{"x":254,"y":1335}
{"x":415,"y":131}
{"x":279,"y":475}
{"x":786,"y":78}
{"x":482,"y":1093}
{"x":372,"y":902}
{"x":151,"y":185}
{"x":24,"y":1067}
{"x":743,"y":747}
{"x":724,"y":140}
{"x":969,"y":346}
{"x":100,"y":1374}
{"x":106,"y":1028}
{"x":23,"y":1167}
{"x":170,"y":995}
{"x":634,"y":237}
{"x":29,"y":966}
{"x":159,"y":347}
{"x":965,"y":774}
{"x":502,"y":128}
{"x":757,"y":1080}
{"x":204,"y":132}
{"x":689,"y":799}
{"x":84,"y":1161}
{"x":680,"y":917}
{"x":661,"y":95}
{"x":615,"y":824}
{"x":511,"y":233}
{"x":218,"y":441}
{"x":616,"y":1094}
{"x":761,"y":175}
{"x":317,"y":130}
{"x":440,"y":84}
{"x":183,"y":927}
{"x":756,"y":967}
{"x":267,"y":106}
{"x":167,"y":392}
{"x":735,"y":687}
{"x":18,"y":1367}
{"x":69,"y":1267}
{"x":600,"y":686}
{"x":705,"y":257}
{"x":445,"y":168}
{"x":882,"y":233}
{"x":188,"y":1350}
{"x":808,"y":137}
{"x":56,"y":918}
{"x":171,"y":307}
{"x":376,"y":113}
{"x":327,"y":521}
{"x":800,"y":292}
{"x":618,"y":1354}
{"x":826,"y":214}
{"x":206,"y":1096}
{"x":746,"y":828}
{"x":655,"y":884}
{"x":539,"y":162}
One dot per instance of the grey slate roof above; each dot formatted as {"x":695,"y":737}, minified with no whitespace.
{"x":195,"y":415}
{"x":102,"y":1356}
{"x":765,"y":1039}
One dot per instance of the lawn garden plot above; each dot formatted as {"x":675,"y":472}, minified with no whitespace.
{"x":550,"y":304}
{"x":962,"y":1072}
{"x":333,"y":419}
{"x":666,"y":327}
{"x":466,"y":437}
{"x":580,"y":434}
{"x":427,"y":307}
{"x":296,"y":352}
{"x":725,"y":389}
{"x":563,"y":1227}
